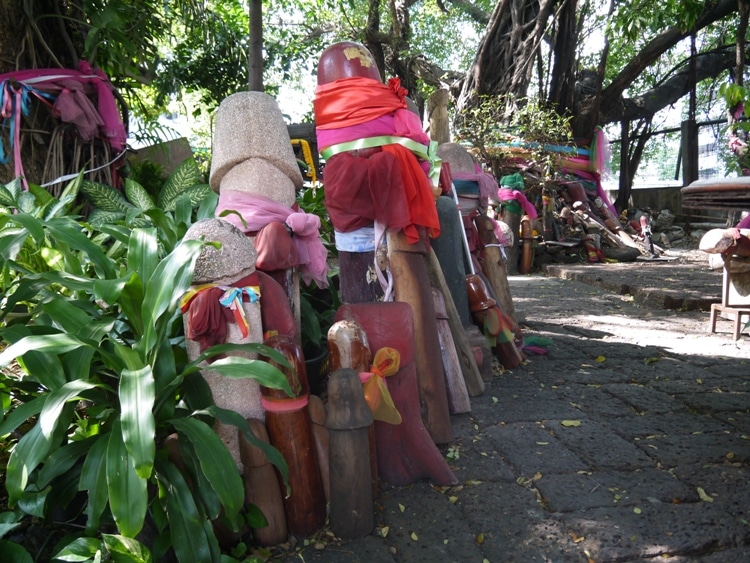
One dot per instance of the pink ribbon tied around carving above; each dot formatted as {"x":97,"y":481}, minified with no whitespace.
{"x":377,"y":396}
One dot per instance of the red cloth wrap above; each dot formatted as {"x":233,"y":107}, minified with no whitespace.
{"x":355,"y":100}
{"x":208,"y":319}
{"x":359,"y":191}
{"x":388,"y":187}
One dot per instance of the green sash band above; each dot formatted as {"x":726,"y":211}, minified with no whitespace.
{"x":428,"y":153}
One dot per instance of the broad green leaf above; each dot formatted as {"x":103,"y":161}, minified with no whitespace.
{"x":43,"y":197}
{"x":32,"y":503}
{"x":143,"y":252}
{"x":34,"y":225}
{"x":11,"y":243}
{"x":250,"y":348}
{"x":259,"y":370}
{"x":49,"y":343}
{"x":104,"y":197}
{"x":123,"y":549}
{"x":99,"y":217}
{"x":77,"y":363}
{"x":235,"y":419}
{"x":137,"y":195}
{"x":216,"y":463}
{"x":47,"y":369}
{"x":207,"y":208}
{"x":165,"y":226}
{"x":131,"y":300}
{"x":69,"y":233}
{"x":6,"y":197}
{"x":128,"y":497}
{"x":94,"y":480}
{"x":136,"y":414}
{"x":80,"y":549}
{"x":29,"y":452}
{"x":21,"y":414}
{"x":183,"y":210}
{"x":185,"y":175}
{"x":53,"y":406}
{"x":62,"y":460}
{"x":169,"y":282}
{"x":14,"y":553}
{"x":203,"y":493}
{"x":188,"y":535}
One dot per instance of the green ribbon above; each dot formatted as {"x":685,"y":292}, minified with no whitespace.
{"x":428,"y":153}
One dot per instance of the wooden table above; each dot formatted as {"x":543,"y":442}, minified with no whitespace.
{"x":726,"y":194}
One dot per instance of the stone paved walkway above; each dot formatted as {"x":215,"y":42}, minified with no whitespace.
{"x":629,"y":441}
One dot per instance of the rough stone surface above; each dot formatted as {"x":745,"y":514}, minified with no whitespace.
{"x":259,"y":177}
{"x":232,"y":261}
{"x":250,"y":125}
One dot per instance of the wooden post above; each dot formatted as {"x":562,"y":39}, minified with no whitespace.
{"x":412,"y":285}
{"x":406,"y":452}
{"x":348,"y":347}
{"x":493,"y":265}
{"x":320,"y":435}
{"x":349,"y":417}
{"x":290,"y":431}
{"x":458,"y":397}
{"x":469,"y":367}
{"x":513,"y":220}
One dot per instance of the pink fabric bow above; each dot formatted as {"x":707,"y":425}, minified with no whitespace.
{"x":506,"y":194}
{"x":257,"y":211}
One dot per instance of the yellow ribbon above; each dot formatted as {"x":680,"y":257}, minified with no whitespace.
{"x":377,"y":396}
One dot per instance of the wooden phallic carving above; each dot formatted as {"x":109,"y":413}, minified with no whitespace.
{"x":290,"y":431}
{"x":348,"y":421}
{"x":412,"y":285}
{"x":406,"y":452}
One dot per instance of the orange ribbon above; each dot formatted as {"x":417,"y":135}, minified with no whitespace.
{"x":385,"y":363}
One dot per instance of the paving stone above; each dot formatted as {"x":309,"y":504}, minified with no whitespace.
{"x":530,"y":406}
{"x":514,"y":526}
{"x":478,"y":459}
{"x":725,"y":483}
{"x":424,"y":525}
{"x":718,"y":402}
{"x":621,"y":534}
{"x":666,"y":424}
{"x":595,"y":489}
{"x":530,"y":448}
{"x":588,"y":400}
{"x":599,"y":446}
{"x":693,"y":449}
{"x":644,"y":399}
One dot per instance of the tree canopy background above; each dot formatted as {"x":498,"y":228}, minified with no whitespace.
{"x":599,"y":62}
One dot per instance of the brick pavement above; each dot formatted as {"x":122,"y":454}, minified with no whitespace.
{"x":628,"y":442}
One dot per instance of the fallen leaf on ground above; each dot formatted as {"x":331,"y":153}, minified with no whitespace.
{"x":571,"y":423}
{"x":704,"y":496}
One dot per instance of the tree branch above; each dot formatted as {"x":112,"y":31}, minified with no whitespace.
{"x":644,"y":106}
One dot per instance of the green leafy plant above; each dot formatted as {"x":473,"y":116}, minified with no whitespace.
{"x":171,"y":210}
{"x":102,"y":379}
{"x":540,"y":131}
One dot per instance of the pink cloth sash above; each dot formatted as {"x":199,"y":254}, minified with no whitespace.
{"x":258,"y":211}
